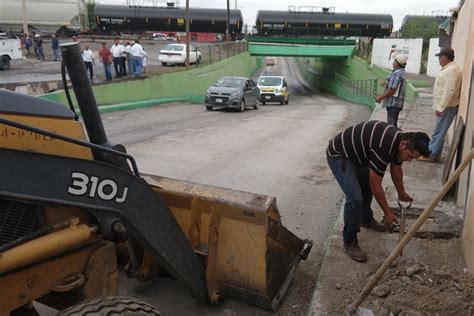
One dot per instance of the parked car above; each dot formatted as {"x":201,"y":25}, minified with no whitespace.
{"x":173,"y":54}
{"x":159,"y":37}
{"x":273,"y":89}
{"x":232,"y":92}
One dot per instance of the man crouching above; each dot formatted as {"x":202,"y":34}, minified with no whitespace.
{"x":358,"y":157}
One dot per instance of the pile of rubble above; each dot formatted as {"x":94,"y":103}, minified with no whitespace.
{"x":410,"y":288}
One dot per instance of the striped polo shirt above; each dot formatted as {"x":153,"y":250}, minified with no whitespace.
{"x":372,"y":143}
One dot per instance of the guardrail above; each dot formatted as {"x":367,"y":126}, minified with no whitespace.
{"x":364,"y":87}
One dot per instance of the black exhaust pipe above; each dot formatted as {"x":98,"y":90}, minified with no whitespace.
{"x":72,"y":60}
{"x":72,"y":57}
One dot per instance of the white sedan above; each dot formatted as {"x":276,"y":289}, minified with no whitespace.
{"x":173,"y":54}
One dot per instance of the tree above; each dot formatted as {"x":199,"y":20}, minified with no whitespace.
{"x":425,"y":27}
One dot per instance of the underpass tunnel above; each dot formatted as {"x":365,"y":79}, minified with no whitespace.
{"x":347,"y":77}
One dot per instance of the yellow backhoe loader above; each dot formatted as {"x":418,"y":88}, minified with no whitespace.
{"x":70,"y":200}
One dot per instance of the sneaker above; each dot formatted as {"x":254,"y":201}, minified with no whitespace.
{"x":428,"y":159}
{"x":354,"y":252}
{"x":374,"y":225}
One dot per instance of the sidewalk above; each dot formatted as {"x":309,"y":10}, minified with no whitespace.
{"x":430,"y":276}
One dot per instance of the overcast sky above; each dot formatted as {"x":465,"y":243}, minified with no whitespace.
{"x":397,"y":8}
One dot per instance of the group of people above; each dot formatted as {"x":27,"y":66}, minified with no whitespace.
{"x":359,"y":155}
{"x":130,"y":55}
{"x":35,"y":42}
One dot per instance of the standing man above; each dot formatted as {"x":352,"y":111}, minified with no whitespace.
{"x":105,"y":57}
{"x":446,"y":93}
{"x":88,"y":57}
{"x":137,"y":54}
{"x":39,"y":48}
{"x":358,"y":157}
{"x":117,"y":49}
{"x":28,"y":45}
{"x":55,"y":48}
{"x":128,"y":49}
{"x":394,"y":95}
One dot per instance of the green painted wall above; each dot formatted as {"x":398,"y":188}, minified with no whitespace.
{"x":353,"y":69}
{"x":320,"y":72}
{"x":190,"y":85}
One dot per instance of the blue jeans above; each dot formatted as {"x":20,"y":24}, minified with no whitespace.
{"x":131,"y":71}
{"x":354,"y":182}
{"x":392,"y":115}
{"x":108,"y":71}
{"x":57,"y":55}
{"x":137,"y":66}
{"x":442,"y":125}
{"x":40,"y":53}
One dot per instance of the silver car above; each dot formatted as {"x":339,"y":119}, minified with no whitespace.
{"x":232,"y":92}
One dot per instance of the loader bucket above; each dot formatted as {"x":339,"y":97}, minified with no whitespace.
{"x":247,"y":252}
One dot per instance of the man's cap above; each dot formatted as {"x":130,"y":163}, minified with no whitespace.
{"x":446,"y":51}
{"x":401,"y":59}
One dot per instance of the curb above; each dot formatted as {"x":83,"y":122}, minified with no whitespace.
{"x":136,"y":105}
{"x":327,"y":245}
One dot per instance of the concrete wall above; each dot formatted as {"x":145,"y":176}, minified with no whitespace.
{"x":384,"y":50}
{"x":190,"y":85}
{"x":433,"y":66}
{"x":463,"y":45}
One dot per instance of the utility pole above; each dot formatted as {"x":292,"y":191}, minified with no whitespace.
{"x":25,"y":23}
{"x":187,"y":33}
{"x":227,"y":35}
{"x":235,"y":4}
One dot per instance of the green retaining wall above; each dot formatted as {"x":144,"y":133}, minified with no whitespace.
{"x":326,"y":81}
{"x":186,"y":85}
{"x":354,"y":68}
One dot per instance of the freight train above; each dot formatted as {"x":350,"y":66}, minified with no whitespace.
{"x":112,"y":19}
{"x":322,"y":23}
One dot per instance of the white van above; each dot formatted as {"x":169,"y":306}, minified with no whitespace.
{"x":9,"y":49}
{"x":273,"y":89}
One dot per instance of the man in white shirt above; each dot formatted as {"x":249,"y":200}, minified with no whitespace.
{"x":88,"y":57}
{"x":446,"y":93}
{"x":137,"y":54}
{"x":117,"y":49}
{"x":128,"y":49}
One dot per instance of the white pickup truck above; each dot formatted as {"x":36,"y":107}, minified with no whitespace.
{"x":9,"y":49}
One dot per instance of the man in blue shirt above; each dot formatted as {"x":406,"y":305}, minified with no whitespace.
{"x":394,"y":95}
{"x":55,"y":48}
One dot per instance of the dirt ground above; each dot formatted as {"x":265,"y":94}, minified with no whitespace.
{"x":429,"y":279}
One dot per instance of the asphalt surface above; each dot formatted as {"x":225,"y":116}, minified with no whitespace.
{"x":275,"y":150}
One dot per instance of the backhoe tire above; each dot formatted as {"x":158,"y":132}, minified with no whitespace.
{"x":111,"y":306}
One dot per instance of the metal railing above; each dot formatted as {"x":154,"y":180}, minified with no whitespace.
{"x":217,"y":52}
{"x":363,"y":87}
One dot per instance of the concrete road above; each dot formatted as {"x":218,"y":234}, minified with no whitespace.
{"x":275,"y":150}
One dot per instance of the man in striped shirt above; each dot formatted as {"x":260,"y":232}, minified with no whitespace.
{"x":358,"y":157}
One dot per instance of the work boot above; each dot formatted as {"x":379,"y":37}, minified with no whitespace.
{"x":374,"y":225}
{"x":354,"y":252}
